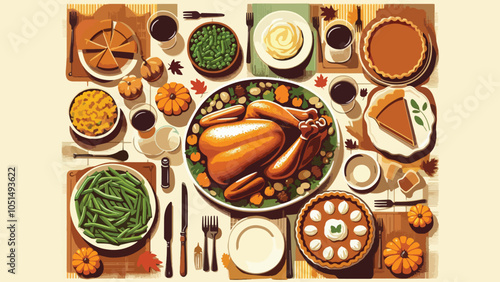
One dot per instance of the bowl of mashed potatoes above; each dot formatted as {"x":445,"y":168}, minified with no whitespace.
{"x":283,"y":39}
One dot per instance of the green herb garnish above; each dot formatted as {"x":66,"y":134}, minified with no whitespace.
{"x":417,"y":111}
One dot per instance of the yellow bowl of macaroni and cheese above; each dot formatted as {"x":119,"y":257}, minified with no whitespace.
{"x":93,"y":114}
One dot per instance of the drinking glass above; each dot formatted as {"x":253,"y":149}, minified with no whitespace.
{"x":163,"y":27}
{"x":339,"y":37}
{"x":343,"y":91}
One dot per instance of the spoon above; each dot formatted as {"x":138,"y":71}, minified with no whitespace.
{"x":120,"y":155}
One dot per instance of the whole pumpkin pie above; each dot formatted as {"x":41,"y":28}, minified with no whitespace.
{"x":335,"y":230}
{"x":391,"y":113}
{"x":108,"y":45}
{"x":395,"y":48}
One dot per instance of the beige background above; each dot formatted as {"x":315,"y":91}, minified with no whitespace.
{"x":35,"y":96}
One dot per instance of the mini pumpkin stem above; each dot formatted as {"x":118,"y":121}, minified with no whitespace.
{"x":172,"y":96}
{"x":404,"y":254}
{"x":129,"y":83}
{"x":86,"y":260}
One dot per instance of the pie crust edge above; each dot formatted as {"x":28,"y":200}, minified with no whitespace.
{"x":367,"y":43}
{"x":344,"y":264}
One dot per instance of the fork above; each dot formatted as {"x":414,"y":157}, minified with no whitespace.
{"x":380,"y":227}
{"x":205,"y":226}
{"x":359,"y":23}
{"x":196,"y":15}
{"x":214,"y":229}
{"x":250,"y":25}
{"x":316,"y":26}
{"x":390,"y":203}
{"x":72,"y":22}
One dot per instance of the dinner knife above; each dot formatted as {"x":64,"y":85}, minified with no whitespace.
{"x":167,"y":234}
{"x":289,"y":267}
{"x":183,"y":230}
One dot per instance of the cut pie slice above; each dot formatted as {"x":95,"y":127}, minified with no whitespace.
{"x":391,"y":113}
{"x":107,"y":36}
{"x":91,"y":45}
{"x":94,"y":61}
{"x":124,"y":30}
{"x":117,"y":40}
{"x":129,"y":47}
{"x":107,"y":61}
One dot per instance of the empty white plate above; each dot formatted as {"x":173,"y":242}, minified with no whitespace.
{"x":256,"y":245}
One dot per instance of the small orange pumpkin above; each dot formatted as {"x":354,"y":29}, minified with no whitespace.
{"x":192,"y":139}
{"x":152,"y":69}
{"x":419,"y":216}
{"x":86,"y":261}
{"x":130,"y":87}
{"x":195,"y":156}
{"x":203,"y":180}
{"x":173,"y":99}
{"x":403,"y":255}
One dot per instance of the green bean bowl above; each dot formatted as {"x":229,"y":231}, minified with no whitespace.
{"x":113,"y":207}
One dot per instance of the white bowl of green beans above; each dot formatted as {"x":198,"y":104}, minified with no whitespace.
{"x":213,"y":47}
{"x":113,"y":207}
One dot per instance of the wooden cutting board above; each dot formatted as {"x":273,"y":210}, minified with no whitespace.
{"x":135,"y":17}
{"x":116,"y":264}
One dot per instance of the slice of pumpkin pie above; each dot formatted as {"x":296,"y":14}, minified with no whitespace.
{"x":391,"y":113}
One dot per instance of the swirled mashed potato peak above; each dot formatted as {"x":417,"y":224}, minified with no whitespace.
{"x":283,"y":40}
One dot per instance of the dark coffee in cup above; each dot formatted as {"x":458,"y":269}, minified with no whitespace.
{"x":343,"y":92}
{"x":339,"y":36}
{"x":163,"y":28}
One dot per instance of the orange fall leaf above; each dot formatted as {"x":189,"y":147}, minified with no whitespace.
{"x":320,"y":81}
{"x":148,"y":260}
{"x":199,"y":86}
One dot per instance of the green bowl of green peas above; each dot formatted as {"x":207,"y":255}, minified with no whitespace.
{"x":213,"y":47}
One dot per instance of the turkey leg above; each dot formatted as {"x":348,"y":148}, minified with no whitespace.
{"x":281,"y":115}
{"x":305,"y":147}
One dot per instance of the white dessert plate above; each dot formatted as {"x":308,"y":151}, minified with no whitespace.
{"x":256,"y":245}
{"x":284,"y":16}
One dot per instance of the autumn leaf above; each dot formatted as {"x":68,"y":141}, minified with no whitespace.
{"x":147,"y":260}
{"x":320,"y":81}
{"x":430,"y":167}
{"x":198,"y":86}
{"x":175,"y":67}
{"x":329,"y":13}
{"x":349,"y":144}
{"x":363,"y":92}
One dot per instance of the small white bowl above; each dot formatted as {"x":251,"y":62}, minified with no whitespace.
{"x":362,"y":172}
